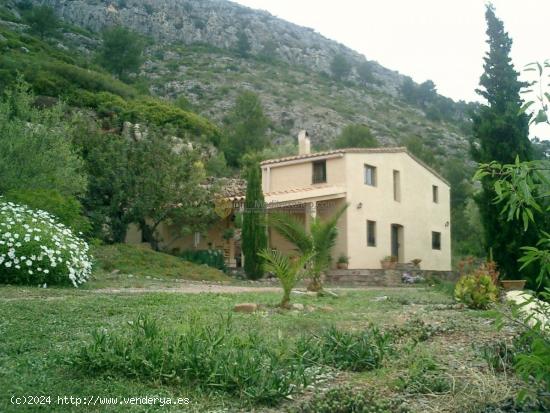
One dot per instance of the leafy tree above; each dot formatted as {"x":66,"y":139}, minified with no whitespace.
{"x":42,"y":20}
{"x":501,"y":135}
{"x":364,"y":72}
{"x":145,"y":181}
{"x":416,"y":146}
{"x":254,"y":235}
{"x":243,"y":44}
{"x":35,"y":152}
{"x":121,"y":51}
{"x":288,"y":269}
{"x":356,"y":136}
{"x":340,"y":67}
{"x":246,"y":128}
{"x":169,"y":188}
{"x":316,"y":241}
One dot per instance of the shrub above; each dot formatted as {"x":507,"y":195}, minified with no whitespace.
{"x":345,"y":399}
{"x":345,"y":350}
{"x":211,"y":357}
{"x":35,"y":248}
{"x":212,"y":258}
{"x":65,"y":208}
{"x":424,"y":376}
{"x":477,"y":291}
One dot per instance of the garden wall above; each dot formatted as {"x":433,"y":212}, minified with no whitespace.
{"x":384,"y":278}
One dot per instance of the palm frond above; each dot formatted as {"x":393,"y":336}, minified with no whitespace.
{"x":292,"y":230}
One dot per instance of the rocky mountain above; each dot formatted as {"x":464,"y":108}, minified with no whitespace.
{"x":208,"y":51}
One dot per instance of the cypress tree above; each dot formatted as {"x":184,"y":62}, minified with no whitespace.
{"x":254,"y":229}
{"x":500,"y":133}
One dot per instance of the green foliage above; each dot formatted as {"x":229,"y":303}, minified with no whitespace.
{"x":246,"y":128}
{"x":364,"y":72}
{"x":212,"y":258}
{"x":66,"y":208}
{"x":500,"y":134}
{"x":42,"y":21}
{"x":356,"y":136}
{"x":289,"y":270}
{"x":522,"y":190}
{"x":344,"y":399}
{"x":153,"y":112}
{"x":254,"y":237}
{"x":529,"y":353}
{"x":424,"y":376}
{"x":215,"y":358}
{"x":35,"y":152}
{"x":345,"y":350}
{"x":477,"y":291}
{"x":144,"y":181}
{"x":36,"y":249}
{"x":121,"y":51}
{"x":317,"y":240}
{"x":243,"y":44}
{"x":340,"y":67}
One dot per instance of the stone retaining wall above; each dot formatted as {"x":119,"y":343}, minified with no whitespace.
{"x":383,"y":278}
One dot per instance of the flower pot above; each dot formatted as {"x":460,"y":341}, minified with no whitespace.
{"x":512,"y":284}
{"x":342,"y":265}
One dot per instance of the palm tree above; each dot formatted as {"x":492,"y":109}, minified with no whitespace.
{"x":288,"y":269}
{"x":317,"y":241}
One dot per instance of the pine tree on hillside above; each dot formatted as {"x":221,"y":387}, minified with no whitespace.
{"x":500,"y":133}
{"x":254,"y":237}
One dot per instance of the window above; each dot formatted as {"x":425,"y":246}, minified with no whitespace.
{"x":396,"y":186}
{"x":370,"y":175}
{"x":436,"y":240}
{"x":435,"y":193}
{"x":319,"y":172}
{"x":371,"y":233}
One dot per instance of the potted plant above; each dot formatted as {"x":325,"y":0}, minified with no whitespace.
{"x":509,"y":285}
{"x":389,"y":262}
{"x":416,"y":262}
{"x":228,"y":234}
{"x":342,"y":263}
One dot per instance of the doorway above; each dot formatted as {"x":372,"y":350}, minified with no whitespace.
{"x":397,"y":242}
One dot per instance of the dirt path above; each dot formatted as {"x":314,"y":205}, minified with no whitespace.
{"x":190,"y":289}
{"x":224,"y":289}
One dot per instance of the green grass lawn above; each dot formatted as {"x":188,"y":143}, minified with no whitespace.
{"x":126,"y":265}
{"x":42,"y":329}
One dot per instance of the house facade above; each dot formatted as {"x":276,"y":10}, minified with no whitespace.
{"x":397,"y":205}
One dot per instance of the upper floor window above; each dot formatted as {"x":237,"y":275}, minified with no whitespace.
{"x":396,"y":186}
{"x":436,"y":240}
{"x":319,"y":172}
{"x":370,"y":175}
{"x":435,"y":194}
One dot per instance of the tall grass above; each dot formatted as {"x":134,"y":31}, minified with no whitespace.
{"x":208,"y":357}
{"x":216,"y":357}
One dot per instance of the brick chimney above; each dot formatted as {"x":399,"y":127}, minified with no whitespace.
{"x":304,"y":144}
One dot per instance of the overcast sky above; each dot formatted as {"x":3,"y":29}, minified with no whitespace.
{"x":441,"y":40}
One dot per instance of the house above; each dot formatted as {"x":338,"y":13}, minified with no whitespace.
{"x":397,"y":206}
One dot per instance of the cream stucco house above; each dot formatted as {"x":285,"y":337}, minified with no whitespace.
{"x":397,"y":206}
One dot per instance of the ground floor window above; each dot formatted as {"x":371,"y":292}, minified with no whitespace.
{"x":371,"y":233}
{"x":436,"y":240}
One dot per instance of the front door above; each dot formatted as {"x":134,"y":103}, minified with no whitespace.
{"x":396,"y":238}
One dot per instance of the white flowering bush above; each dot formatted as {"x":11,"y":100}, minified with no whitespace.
{"x":36,"y":249}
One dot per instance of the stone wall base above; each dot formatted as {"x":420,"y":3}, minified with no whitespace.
{"x":383,"y":278}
